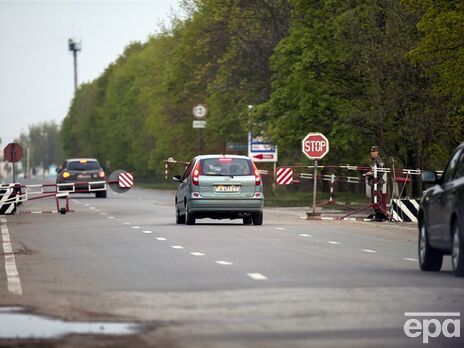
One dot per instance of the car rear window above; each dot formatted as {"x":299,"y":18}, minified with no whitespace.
{"x":226,"y":166}
{"x":83,"y":165}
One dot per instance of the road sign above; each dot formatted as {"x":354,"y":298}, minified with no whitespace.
{"x":199,"y":124}
{"x":121,"y":181}
{"x":126,"y":180}
{"x":260,"y":150}
{"x":200,"y":111}
{"x":284,"y":176}
{"x":315,"y":146}
{"x":13,"y":152}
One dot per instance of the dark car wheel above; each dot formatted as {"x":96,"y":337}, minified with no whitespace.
{"x":180,"y":219}
{"x":457,"y":256}
{"x":257,"y":219}
{"x":247,"y":220}
{"x":189,"y":218}
{"x":100,"y":194}
{"x":429,"y":258}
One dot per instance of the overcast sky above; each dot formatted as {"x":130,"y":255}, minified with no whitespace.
{"x":36,"y":68}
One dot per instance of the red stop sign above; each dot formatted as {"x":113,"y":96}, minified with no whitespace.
{"x":315,"y":146}
{"x":13,"y":152}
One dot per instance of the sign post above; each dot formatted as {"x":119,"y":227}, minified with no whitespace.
{"x":315,"y":146}
{"x":13,"y":153}
{"x":199,"y":112}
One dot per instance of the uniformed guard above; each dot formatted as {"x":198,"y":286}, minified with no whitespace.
{"x":376,"y":161}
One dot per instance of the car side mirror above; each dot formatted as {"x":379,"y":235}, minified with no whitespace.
{"x":57,"y":170}
{"x":177,"y":178}
{"x":429,"y":177}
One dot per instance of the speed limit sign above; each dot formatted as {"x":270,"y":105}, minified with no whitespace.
{"x":199,"y":111}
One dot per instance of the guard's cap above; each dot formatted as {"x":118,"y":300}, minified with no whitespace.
{"x":375,"y":148}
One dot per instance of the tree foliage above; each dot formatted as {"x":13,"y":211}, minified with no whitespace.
{"x":363,"y":72}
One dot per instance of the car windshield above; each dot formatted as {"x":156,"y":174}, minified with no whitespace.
{"x":83,"y":165}
{"x":226,"y":166}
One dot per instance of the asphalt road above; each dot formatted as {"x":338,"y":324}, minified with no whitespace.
{"x":288,"y":283}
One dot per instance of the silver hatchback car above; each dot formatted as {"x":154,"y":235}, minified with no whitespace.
{"x":220,"y":187}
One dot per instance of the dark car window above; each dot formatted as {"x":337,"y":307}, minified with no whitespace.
{"x":448,"y":175}
{"x":188,"y":170}
{"x":226,"y":166}
{"x":83,"y":165}
{"x":460,"y":167}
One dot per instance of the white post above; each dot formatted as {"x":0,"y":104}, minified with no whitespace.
{"x":314,"y":186}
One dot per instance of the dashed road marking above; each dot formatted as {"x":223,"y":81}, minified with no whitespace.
{"x":224,"y":263}
{"x":195,"y":253}
{"x":257,"y":276}
{"x":126,"y":223}
{"x":280,"y":228}
{"x":160,"y":238}
{"x":110,"y":217}
{"x":177,"y":247}
{"x":304,"y":235}
{"x":369,"y":251}
{"x":147,"y":232}
{"x":135,"y":227}
{"x":104,"y":214}
{"x":333,"y":242}
{"x":87,"y":205}
{"x":410,"y":259}
{"x":14,"y":283}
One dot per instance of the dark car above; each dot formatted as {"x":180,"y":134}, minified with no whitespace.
{"x":82,"y":175}
{"x":441,"y":217}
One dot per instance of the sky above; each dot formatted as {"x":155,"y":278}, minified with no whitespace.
{"x":36,"y":67}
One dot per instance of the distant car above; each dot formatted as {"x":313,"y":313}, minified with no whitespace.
{"x":86,"y":175}
{"x":441,"y":217}
{"x":220,"y":187}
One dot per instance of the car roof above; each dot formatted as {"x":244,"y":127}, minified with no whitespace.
{"x":222,"y":156}
{"x":81,"y":159}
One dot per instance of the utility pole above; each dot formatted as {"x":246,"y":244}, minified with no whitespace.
{"x":74,"y":47}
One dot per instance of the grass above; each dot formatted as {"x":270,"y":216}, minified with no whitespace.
{"x":287,"y":198}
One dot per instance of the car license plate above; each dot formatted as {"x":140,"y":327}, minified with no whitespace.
{"x":226,"y":188}
{"x":83,"y":176}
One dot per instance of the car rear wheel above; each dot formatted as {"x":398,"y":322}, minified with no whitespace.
{"x":189,"y":218}
{"x":457,"y":256}
{"x":180,"y":219}
{"x":247,"y":220}
{"x":100,"y":194}
{"x":429,"y":259}
{"x":257,"y":219}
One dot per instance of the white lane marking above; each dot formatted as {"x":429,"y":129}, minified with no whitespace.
{"x":333,"y":242}
{"x":160,"y":238}
{"x":147,"y":232}
{"x":110,"y":217}
{"x":280,"y":228}
{"x":104,"y":214}
{"x":86,"y":205}
{"x":257,"y":276}
{"x":303,"y":217}
{"x":14,"y":283}
{"x":177,"y":247}
{"x":327,"y":218}
{"x":369,"y":251}
{"x":224,"y":263}
{"x":136,"y":227}
{"x":93,"y":208}
{"x":410,"y":259}
{"x":195,"y":253}
{"x":304,"y":235}
{"x":126,"y":223}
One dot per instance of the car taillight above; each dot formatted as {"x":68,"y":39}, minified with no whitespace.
{"x":66,"y":175}
{"x":257,"y":176}
{"x":196,"y":174}
{"x":101,"y":174}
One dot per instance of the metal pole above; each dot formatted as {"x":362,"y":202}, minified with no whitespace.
{"x":75,"y":71}
{"x":28,"y":163}
{"x":14,"y":160}
{"x":275,"y":178}
{"x":314,"y":186}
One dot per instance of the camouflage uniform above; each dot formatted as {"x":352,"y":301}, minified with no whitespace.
{"x":380,"y":164}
